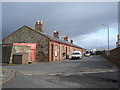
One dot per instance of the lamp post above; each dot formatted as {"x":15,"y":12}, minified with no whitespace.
{"x":108,"y":40}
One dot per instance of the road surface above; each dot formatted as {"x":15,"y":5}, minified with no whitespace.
{"x":88,"y":72}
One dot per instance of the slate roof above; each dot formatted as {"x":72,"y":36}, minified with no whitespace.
{"x":59,"y":40}
{"x":48,"y":36}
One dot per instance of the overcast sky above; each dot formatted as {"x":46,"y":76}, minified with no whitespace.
{"x":80,"y":21}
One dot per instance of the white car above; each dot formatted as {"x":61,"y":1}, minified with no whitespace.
{"x":76,"y":55}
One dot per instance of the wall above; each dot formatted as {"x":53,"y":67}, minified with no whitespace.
{"x":54,"y":51}
{"x":59,"y":49}
{"x":8,"y":50}
{"x":64,"y":49}
{"x":26,"y":35}
{"x":17,"y":49}
{"x":32,"y":50}
{"x":0,"y":53}
{"x":6,"y":53}
{"x":43,"y":51}
{"x":114,"y":55}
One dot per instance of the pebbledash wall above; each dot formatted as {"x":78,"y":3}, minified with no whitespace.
{"x":48,"y":48}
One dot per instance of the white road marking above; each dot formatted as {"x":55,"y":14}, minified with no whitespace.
{"x":97,"y":71}
{"x":54,"y":74}
{"x":29,"y":74}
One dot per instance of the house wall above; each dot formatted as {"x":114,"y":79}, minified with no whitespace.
{"x":64,"y":49}
{"x":25,"y":59}
{"x":56,"y":53}
{"x":71,"y":51}
{"x":12,"y":48}
{"x":20,"y":49}
{"x":32,"y":50}
{"x":26,"y":35}
{"x":43,"y":44}
{"x":0,"y":53}
{"x":6,"y":53}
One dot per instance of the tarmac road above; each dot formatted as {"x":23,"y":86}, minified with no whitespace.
{"x":88,"y":72}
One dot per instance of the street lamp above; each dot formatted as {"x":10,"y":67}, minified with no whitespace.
{"x":108,"y":40}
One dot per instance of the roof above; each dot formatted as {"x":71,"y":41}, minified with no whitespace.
{"x":48,"y":36}
{"x":20,"y":29}
{"x":58,"y":40}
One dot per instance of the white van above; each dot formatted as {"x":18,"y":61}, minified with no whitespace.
{"x":76,"y":55}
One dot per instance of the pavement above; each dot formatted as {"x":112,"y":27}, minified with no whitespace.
{"x":88,"y":72}
{"x":6,"y":74}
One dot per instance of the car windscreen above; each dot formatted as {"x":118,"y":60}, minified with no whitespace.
{"x":76,"y":53}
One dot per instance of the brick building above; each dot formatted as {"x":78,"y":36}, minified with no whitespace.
{"x":48,"y":48}
{"x":118,"y":41}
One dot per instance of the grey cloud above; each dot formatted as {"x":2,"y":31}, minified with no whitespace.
{"x":70,"y":19}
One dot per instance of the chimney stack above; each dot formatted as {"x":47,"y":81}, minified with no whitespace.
{"x":39,"y":26}
{"x":71,"y":41}
{"x":66,"y":38}
{"x":56,"y":34}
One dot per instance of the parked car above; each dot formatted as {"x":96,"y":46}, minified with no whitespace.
{"x":76,"y":55}
{"x":87,"y":54}
{"x":91,"y":52}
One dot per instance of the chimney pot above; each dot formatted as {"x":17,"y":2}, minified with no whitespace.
{"x":56,"y":34}
{"x":39,"y":26}
{"x":71,"y":41}
{"x":66,"y":38}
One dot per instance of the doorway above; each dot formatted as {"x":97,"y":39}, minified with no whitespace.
{"x":51,"y":52}
{"x":66,"y":53}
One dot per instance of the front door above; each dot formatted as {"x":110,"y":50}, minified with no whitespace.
{"x":51,"y":52}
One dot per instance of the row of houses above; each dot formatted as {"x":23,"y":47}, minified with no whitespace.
{"x":37,"y":45}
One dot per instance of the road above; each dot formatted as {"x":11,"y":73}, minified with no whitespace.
{"x":88,"y":72}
